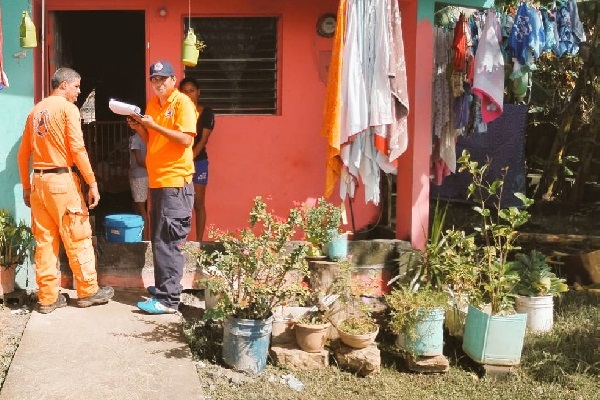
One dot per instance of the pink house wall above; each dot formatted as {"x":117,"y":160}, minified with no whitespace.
{"x":280,"y":156}
{"x":283,"y":156}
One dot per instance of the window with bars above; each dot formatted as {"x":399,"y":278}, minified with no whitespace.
{"x":237,"y":71}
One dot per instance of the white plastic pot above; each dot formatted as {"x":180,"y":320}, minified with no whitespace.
{"x":539,"y":310}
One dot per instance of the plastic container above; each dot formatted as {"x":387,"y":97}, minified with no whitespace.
{"x":539,"y":310}
{"x":337,"y":249}
{"x":246,"y":343}
{"x":494,"y":339}
{"x":428,"y":338}
{"x":124,"y":228}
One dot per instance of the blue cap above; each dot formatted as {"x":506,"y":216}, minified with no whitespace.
{"x":161,"y":68}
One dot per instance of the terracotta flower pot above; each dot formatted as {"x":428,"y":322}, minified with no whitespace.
{"x":358,"y":341}
{"x":311,"y":337}
{"x":7,"y":280}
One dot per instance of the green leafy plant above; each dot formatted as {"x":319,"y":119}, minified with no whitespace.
{"x":357,"y":325}
{"x":259,"y":267}
{"x":16,"y":240}
{"x":535,"y":276}
{"x":408,"y":307}
{"x":496,"y":233}
{"x":448,"y":262}
{"x":321,"y":223}
{"x":357,"y":297}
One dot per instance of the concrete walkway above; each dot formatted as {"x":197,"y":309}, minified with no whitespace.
{"x":106,"y":352}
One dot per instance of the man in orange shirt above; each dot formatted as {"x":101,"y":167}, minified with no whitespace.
{"x":168,"y":128}
{"x":53,"y":140}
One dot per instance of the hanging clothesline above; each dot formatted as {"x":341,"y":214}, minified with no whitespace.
{"x":469,"y":73}
{"x":367,"y":97}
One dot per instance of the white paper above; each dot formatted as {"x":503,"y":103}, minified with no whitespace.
{"x":122,"y":108}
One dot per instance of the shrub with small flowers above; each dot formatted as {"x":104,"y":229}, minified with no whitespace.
{"x":259,"y":267}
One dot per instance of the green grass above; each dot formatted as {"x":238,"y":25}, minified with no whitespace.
{"x":562,"y":364}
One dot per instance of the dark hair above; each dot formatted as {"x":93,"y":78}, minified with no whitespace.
{"x":63,"y":75}
{"x":188,"y":80}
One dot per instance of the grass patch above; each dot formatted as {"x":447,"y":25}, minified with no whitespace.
{"x":562,"y":364}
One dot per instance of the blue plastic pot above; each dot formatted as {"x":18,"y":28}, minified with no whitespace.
{"x":246,"y":343}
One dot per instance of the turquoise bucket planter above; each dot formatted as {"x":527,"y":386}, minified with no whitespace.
{"x":337,"y":249}
{"x":246,"y":343}
{"x":494,"y":339}
{"x":429,"y":335}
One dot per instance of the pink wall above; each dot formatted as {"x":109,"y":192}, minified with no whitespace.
{"x":413,"y":168}
{"x":281,"y":156}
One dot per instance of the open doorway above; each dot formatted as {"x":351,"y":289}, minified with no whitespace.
{"x":108,"y":49}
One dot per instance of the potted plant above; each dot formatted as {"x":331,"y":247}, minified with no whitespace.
{"x":16,"y":241}
{"x":446,"y":264}
{"x":494,"y":336}
{"x":358,"y":329}
{"x":258,"y":268}
{"x":417,"y":317}
{"x":311,"y":329}
{"x":536,"y":288}
{"x":321,"y":223}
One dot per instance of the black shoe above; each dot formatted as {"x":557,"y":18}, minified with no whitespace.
{"x":60,"y":302}
{"x":102,"y":296}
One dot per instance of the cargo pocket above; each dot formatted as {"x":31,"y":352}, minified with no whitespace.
{"x":58,"y":188}
{"x":77,"y":224}
{"x":178,"y":224}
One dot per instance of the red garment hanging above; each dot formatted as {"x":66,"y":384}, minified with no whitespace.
{"x":459,"y":44}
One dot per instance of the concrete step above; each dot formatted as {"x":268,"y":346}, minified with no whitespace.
{"x":130,"y":265}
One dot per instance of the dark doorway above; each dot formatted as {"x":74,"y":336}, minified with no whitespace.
{"x":108,"y":49}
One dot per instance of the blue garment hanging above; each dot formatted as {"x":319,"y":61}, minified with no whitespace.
{"x":519,"y":41}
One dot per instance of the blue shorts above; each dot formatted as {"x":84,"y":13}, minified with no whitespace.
{"x":201,"y":174}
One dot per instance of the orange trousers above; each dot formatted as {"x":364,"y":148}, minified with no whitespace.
{"x":59,"y":212}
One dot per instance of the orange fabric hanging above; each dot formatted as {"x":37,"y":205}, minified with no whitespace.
{"x":333,"y":103}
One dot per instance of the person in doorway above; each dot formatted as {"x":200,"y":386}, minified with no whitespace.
{"x":53,"y":141}
{"x":168,"y":128}
{"x":204,"y":127}
{"x":138,"y":180}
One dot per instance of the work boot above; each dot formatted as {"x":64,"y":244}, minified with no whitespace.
{"x":60,"y":302}
{"x":102,"y":296}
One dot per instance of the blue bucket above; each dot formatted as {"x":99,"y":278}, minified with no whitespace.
{"x":337,"y":249}
{"x":124,"y":228}
{"x":428,"y":337}
{"x":246,"y":343}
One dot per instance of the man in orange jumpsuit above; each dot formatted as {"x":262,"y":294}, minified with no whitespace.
{"x":53,"y":140}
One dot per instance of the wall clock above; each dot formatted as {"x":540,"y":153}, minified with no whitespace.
{"x":326,"y":25}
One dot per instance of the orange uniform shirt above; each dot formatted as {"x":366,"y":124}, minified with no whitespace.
{"x":169,"y":164}
{"x":52,"y":137}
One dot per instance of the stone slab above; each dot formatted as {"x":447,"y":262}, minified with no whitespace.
{"x":430,"y":365}
{"x":288,"y":355}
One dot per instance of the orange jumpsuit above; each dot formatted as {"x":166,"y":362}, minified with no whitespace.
{"x":52,"y":138}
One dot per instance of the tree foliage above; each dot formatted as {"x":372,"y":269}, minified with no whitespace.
{"x":563,"y":136}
